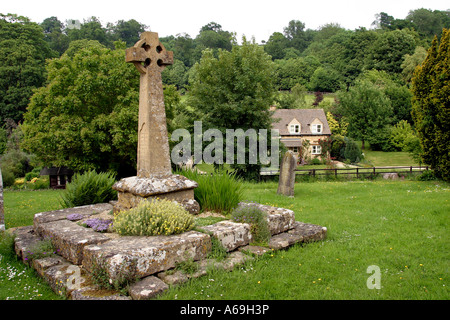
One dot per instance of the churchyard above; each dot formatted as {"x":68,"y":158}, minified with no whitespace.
{"x":283,"y":239}
{"x":399,"y":226}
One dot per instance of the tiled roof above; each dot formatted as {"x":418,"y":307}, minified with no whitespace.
{"x":304,"y":116}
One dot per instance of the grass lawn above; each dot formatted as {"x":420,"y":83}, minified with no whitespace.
{"x":399,"y":226}
{"x":17,"y":281}
{"x":382,"y":159}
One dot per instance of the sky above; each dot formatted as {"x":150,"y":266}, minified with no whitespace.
{"x":252,"y":18}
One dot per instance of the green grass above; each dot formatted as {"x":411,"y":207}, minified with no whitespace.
{"x":20,"y":206}
{"x":382,"y":159}
{"x":18,"y":281}
{"x":399,"y":226}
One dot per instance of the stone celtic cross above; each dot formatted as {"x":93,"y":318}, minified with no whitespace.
{"x":150,"y":58}
{"x":154,"y":177}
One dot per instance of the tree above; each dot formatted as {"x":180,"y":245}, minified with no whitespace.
{"x":431,"y":105}
{"x":295,"y":71}
{"x":429,"y":23}
{"x":212,"y":36}
{"x":325,"y":80}
{"x":127,"y":31}
{"x":276,"y":45}
{"x":410,"y":63}
{"x":389,"y":49}
{"x":399,"y":95}
{"x":91,"y":29}
{"x":54,"y":35}
{"x":23,"y":51}
{"x":234,"y":91}
{"x":295,"y":33}
{"x":367,"y":110}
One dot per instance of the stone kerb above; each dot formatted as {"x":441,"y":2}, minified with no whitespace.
{"x":68,"y":237}
{"x":137,"y":256}
{"x":279,"y":219}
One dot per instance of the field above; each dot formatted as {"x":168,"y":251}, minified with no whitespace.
{"x":399,"y":226}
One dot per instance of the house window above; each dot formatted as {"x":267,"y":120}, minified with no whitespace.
{"x":295,"y":149}
{"x":316,"y":128}
{"x":294,"y":128}
{"x":316,"y":149}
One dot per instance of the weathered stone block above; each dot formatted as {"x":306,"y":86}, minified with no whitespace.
{"x":279,"y":219}
{"x":69,"y":238}
{"x":56,"y":215}
{"x":133,"y":190}
{"x":95,"y":293}
{"x":25,"y":239}
{"x":147,"y":288}
{"x":144,"y":256}
{"x":309,"y":232}
{"x":302,"y":232}
{"x":230,"y":234}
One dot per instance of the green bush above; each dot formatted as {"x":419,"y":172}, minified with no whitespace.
{"x":152,"y":218}
{"x":8,"y":177}
{"x":219,"y":192}
{"x":89,"y":188}
{"x":351,"y":151}
{"x":257,"y":219}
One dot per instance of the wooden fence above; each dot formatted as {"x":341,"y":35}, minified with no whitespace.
{"x":355,"y":171}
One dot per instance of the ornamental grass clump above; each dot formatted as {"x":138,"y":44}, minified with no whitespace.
{"x":89,"y":188}
{"x":257,"y":219}
{"x":219,"y":192}
{"x":153,"y":218}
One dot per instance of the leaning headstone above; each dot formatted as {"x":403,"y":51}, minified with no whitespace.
{"x":2,"y":212}
{"x":154,"y":173}
{"x":287,"y":174}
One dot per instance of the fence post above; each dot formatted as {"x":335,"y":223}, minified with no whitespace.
{"x":314,"y":172}
{"x":357,"y":172}
{"x":410,"y":170}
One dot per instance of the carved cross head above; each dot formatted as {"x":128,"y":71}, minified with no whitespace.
{"x":149,"y":53}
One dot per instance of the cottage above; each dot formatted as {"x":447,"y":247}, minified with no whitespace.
{"x":297,"y":126}
{"x":59,"y":176}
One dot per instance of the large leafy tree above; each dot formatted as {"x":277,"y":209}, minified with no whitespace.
{"x":366,"y":109}
{"x":86,"y":116}
{"x":54,"y":34}
{"x":389,"y":49}
{"x":431,"y":105}
{"x":234,"y":91}
{"x":23,"y":51}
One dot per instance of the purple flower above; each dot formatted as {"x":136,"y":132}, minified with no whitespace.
{"x":75,"y":217}
{"x":99,"y":225}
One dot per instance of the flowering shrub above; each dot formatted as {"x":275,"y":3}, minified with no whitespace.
{"x":155,"y":217}
{"x":257,"y":220}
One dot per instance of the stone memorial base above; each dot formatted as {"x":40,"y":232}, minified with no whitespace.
{"x":132,"y":190}
{"x":151,"y":261}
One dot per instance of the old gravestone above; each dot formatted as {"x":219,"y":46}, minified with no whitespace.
{"x":154,"y":174}
{"x":287,"y":174}
{"x":2,"y":212}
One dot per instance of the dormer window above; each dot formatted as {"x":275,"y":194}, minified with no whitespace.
{"x":316,"y":128}
{"x":294,"y":128}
